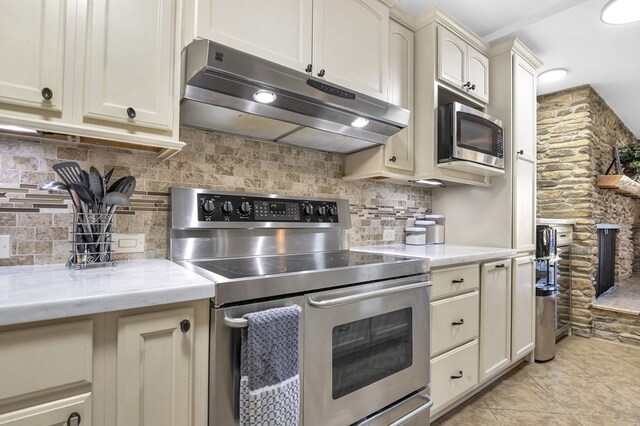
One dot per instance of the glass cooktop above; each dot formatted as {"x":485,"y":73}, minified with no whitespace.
{"x":271,"y":265}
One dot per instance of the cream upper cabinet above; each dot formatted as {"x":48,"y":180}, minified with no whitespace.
{"x":155,"y":368}
{"x":523,"y":304}
{"x":478,"y":74}
{"x":462,"y":66}
{"x":277,"y":30}
{"x":351,"y":44}
{"x":129,"y":64}
{"x":495,"y":317}
{"x":524,"y":154}
{"x":399,"y":149}
{"x":32,"y":48}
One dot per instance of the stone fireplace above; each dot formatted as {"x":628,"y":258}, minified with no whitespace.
{"x":577,"y":131}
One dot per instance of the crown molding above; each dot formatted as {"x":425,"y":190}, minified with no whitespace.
{"x":517,"y":46}
{"x":441,"y":18}
{"x":390,"y":3}
{"x":403,"y":19}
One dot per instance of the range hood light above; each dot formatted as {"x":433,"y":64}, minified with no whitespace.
{"x":18,"y":129}
{"x":552,"y":75}
{"x":431,"y":182}
{"x":264,"y":96}
{"x":359,"y":122}
{"x":618,"y":12}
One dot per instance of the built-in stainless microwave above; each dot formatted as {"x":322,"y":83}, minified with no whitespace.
{"x":466,"y":134}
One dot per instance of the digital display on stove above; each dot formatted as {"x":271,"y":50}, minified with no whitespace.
{"x":278,"y":208}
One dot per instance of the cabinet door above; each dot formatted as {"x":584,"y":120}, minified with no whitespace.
{"x":32,"y":40}
{"x":495,"y":317}
{"x":451,"y":58}
{"x":129,"y":67}
{"x":478,"y":74}
{"x":524,"y":204}
{"x":155,"y":369}
{"x":351,"y":44}
{"x":399,"y":149}
{"x":524,"y":109}
{"x":523,"y":307}
{"x":54,"y":413}
{"x":277,"y":30}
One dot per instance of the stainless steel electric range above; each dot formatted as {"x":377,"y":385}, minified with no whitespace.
{"x":364,"y":335}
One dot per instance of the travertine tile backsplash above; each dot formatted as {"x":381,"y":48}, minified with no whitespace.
{"x":39,"y":221}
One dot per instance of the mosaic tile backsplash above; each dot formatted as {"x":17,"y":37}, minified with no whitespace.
{"x":39,"y":222}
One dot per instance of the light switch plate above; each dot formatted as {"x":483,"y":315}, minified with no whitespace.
{"x":5,"y":246}
{"x":128,"y":243}
{"x":389,"y":235}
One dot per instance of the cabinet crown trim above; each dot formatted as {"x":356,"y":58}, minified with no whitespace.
{"x":518,"y":47}
{"x":438,"y":16}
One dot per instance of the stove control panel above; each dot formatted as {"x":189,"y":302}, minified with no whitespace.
{"x":240,"y":208}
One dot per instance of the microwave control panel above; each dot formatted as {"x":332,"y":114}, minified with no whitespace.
{"x":239,"y":208}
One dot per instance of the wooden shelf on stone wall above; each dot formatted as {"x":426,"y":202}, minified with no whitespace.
{"x":621,"y":184}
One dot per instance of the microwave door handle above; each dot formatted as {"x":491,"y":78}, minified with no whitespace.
{"x":345,"y":300}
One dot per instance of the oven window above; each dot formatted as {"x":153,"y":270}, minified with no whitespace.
{"x":371,"y":349}
{"x":477,"y":134}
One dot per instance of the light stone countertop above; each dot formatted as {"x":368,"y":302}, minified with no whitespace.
{"x":440,"y":255}
{"x":543,"y":221}
{"x":35,"y":293}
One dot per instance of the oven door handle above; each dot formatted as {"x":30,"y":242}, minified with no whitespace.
{"x":235,"y":322}
{"x":404,"y":419}
{"x":345,"y":300}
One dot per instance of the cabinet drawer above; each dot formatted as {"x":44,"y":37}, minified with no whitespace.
{"x":564,"y":235}
{"x":454,"y":321}
{"x":45,"y":358}
{"x":54,"y":413}
{"x":450,"y":281}
{"x":446,"y":383}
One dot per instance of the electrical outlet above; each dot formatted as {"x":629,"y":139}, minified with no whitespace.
{"x":5,"y":246}
{"x":128,"y":243}
{"x":389,"y":235}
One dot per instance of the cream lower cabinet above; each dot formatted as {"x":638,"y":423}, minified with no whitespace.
{"x":46,"y":375}
{"x":495,"y":317}
{"x":523,"y":303}
{"x":454,"y":333}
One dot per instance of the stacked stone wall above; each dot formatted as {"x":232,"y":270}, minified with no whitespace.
{"x":577,"y":131}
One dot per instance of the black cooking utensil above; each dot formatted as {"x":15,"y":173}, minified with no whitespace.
{"x":107,"y":178}
{"x":69,"y":171}
{"x":96,"y":184}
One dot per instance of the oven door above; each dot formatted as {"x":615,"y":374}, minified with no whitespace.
{"x":366,"y":347}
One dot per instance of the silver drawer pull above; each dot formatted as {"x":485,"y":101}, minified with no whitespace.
{"x":344,"y":300}
{"x":235,"y":322}
{"x":458,"y":376}
{"x":458,"y":322}
{"x":460,"y":281}
{"x":401,"y":421}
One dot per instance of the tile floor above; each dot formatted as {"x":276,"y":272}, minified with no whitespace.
{"x":590,"y":382}
{"x":625,"y":297}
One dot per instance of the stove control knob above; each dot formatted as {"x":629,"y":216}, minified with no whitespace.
{"x":307,"y":209}
{"x":227,"y":208}
{"x":208,"y":206}
{"x":333,"y":211}
{"x":245,"y":207}
{"x":321,"y":210}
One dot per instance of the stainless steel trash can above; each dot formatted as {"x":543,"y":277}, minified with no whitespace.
{"x":546,"y":299}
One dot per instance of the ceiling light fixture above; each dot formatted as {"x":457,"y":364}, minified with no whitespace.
{"x":17,"y":129}
{"x":264,"y":96}
{"x":359,"y":122}
{"x":431,"y":182}
{"x":618,"y":12}
{"x":552,"y":75}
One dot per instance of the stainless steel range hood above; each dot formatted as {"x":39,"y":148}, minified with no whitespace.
{"x":220,"y":84}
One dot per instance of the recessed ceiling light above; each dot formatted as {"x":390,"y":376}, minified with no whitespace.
{"x":264,"y":96}
{"x":552,"y":75}
{"x":359,"y":122}
{"x":618,"y":12}
{"x":18,"y":129}
{"x":431,"y":182}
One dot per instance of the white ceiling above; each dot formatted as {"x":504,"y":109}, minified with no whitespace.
{"x":563,"y":34}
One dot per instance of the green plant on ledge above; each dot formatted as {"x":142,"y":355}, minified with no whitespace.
{"x":630,"y":159}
